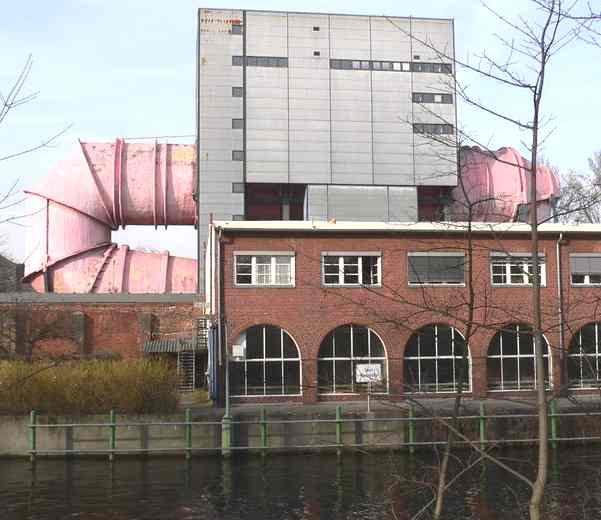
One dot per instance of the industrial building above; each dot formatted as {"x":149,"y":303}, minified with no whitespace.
{"x":306,"y":116}
{"x":331,"y":249}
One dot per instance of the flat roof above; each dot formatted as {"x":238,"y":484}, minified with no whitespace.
{"x":400,"y":227}
{"x":324,"y":13}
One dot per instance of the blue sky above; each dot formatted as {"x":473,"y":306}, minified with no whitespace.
{"x":126,"y":69}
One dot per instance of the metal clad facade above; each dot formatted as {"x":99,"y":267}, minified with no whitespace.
{"x":308,"y":120}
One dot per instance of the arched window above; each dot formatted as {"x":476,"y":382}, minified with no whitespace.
{"x":583,"y":357}
{"x":510,"y":363}
{"x":265,"y":361}
{"x":351,"y":358}
{"x":434,"y":360}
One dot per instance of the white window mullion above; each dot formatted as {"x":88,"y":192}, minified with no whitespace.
{"x":253,"y":270}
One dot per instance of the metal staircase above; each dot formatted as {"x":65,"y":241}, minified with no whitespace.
{"x":186,"y":357}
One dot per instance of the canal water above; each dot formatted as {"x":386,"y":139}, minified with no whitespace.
{"x":359,"y":486}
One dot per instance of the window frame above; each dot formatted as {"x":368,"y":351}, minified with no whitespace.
{"x":341,"y":255}
{"x":436,"y":358}
{"x":254,"y":274}
{"x":580,"y":355}
{"x":587,"y":277}
{"x":352,"y":358}
{"x":505,"y":259}
{"x":451,"y":254}
{"x":547,"y":357}
{"x":264,"y":360}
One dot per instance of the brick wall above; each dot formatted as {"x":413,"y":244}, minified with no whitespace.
{"x":95,"y":328}
{"x":309,"y":311}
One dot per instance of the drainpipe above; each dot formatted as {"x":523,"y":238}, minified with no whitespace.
{"x":226,"y":421}
{"x":562,"y":355}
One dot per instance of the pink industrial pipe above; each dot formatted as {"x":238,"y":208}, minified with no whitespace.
{"x":497,"y":185}
{"x":98,"y":188}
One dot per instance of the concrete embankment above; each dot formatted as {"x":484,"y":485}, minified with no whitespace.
{"x":297,"y":427}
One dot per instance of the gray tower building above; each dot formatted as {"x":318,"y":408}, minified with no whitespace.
{"x":320,"y":116}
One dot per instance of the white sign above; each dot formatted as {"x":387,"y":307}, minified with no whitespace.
{"x":238,"y":351}
{"x":367,"y":373}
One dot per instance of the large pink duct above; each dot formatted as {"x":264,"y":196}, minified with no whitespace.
{"x":497,"y":185}
{"x":98,"y":188}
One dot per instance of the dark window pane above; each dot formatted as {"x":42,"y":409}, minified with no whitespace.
{"x":427,"y":342}
{"x":526,"y":341}
{"x":236,"y":29}
{"x":370,"y":270}
{"x":360,"y":345}
{"x":291,"y":377}
{"x":342,"y":341}
{"x":493,"y":366}
{"x":326,"y":350}
{"x":445,"y":345}
{"x":377,"y":348}
{"x":290,"y":350}
{"x":273,"y":378}
{"x":588,"y":339}
{"x":445,"y":375}
{"x":236,"y":378}
{"x":411,"y":373}
{"x":273,"y":342}
{"x":254,"y":378}
{"x":574,"y":367}
{"x":325,"y":376}
{"x":344,"y":376}
{"x":412,"y":346}
{"x":509,"y":342}
{"x":510,"y":373}
{"x":254,"y":343}
{"x":428,"y":375}
{"x":527,"y":373}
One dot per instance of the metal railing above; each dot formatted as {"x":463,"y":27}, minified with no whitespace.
{"x":408,"y":431}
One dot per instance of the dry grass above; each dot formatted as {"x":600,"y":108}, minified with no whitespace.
{"x":87,"y":387}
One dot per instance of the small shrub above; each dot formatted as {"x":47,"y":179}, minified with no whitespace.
{"x":87,"y":387}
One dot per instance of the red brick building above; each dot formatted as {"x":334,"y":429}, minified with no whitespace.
{"x":322,"y":311}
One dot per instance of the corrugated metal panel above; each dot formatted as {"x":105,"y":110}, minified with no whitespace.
{"x":363,"y":203}
{"x":316,"y":203}
{"x":402,"y":204}
{"x":162,"y":346}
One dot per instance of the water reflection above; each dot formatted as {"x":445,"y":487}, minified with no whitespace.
{"x":308,"y":487}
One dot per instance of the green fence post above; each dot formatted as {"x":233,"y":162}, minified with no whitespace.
{"x":339,"y":429}
{"x":482,"y":422}
{"x":263,"y":427}
{"x":411,"y":430}
{"x":113,"y":436}
{"x":554,"y":421}
{"x":226,"y":436}
{"x":188,"y":433}
{"x":33,"y":419}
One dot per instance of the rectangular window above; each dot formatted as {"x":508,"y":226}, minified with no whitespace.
{"x":316,"y":28}
{"x":436,"y":68}
{"x":237,"y":123}
{"x":435,"y":268}
{"x":238,"y":187}
{"x":262,"y":270}
{"x":433,"y":129}
{"x":585,"y":268}
{"x":237,"y":91}
{"x":515,"y":269}
{"x":236,"y":29}
{"x":316,"y":53}
{"x":260,"y":61}
{"x":352,"y":269}
{"x":237,"y":155}
{"x":429,"y":97}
